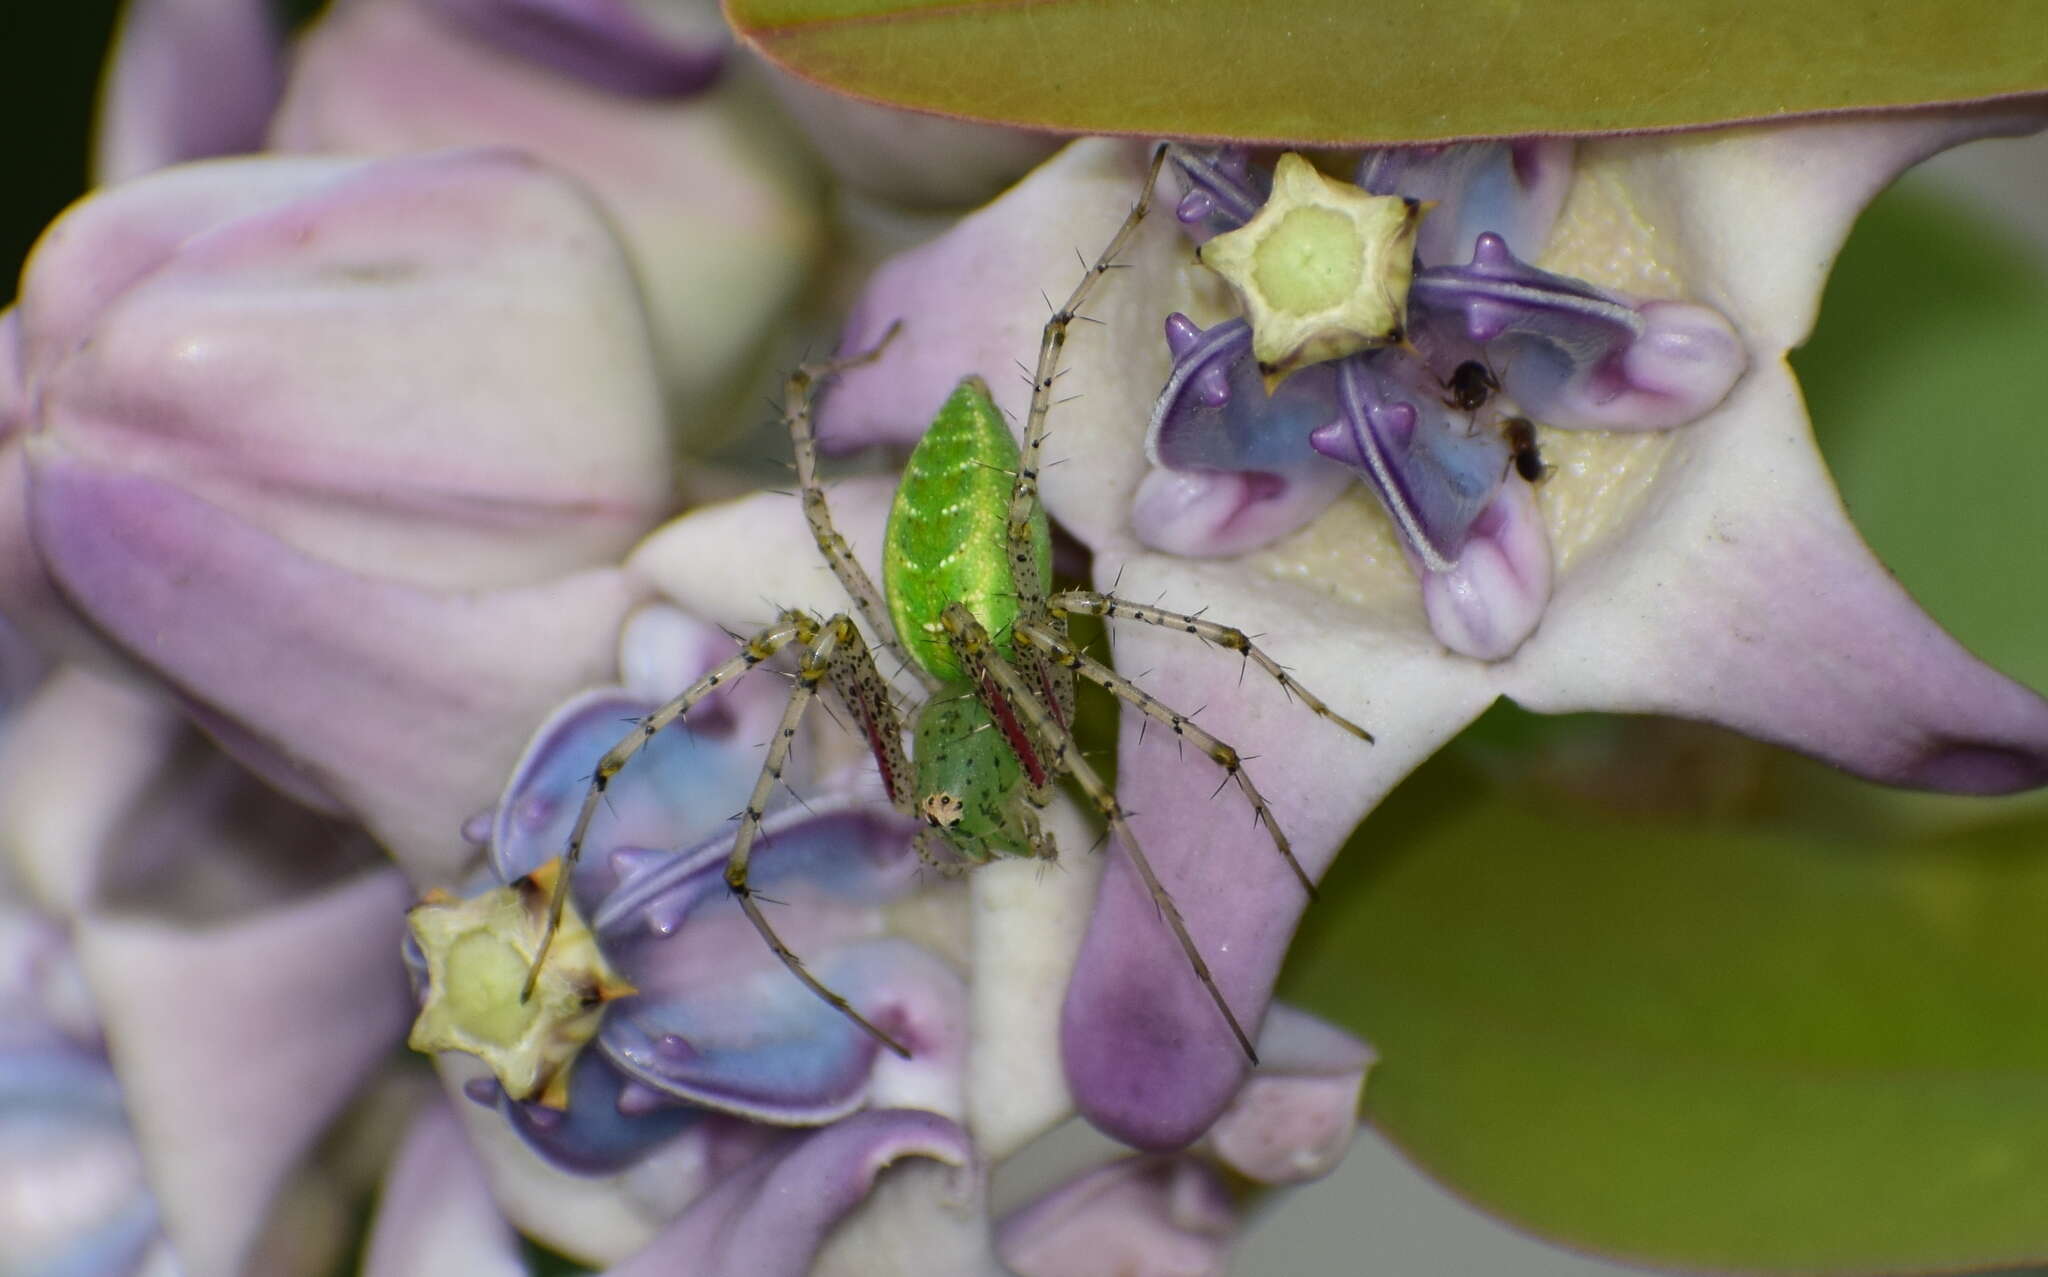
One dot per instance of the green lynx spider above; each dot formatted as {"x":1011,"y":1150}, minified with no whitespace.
{"x":966,"y":559}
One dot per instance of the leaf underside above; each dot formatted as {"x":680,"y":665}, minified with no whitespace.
{"x":1345,"y":73}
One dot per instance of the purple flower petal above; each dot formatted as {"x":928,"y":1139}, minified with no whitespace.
{"x":762,"y":1046}
{"x":1573,"y":355}
{"x":708,"y":195}
{"x":188,"y":79}
{"x":679,"y":789}
{"x":972,"y":301}
{"x":606,"y":1127}
{"x":77,"y":760}
{"x":13,"y":388}
{"x":608,"y":44}
{"x":1205,"y":514}
{"x":1731,"y":201}
{"x":405,"y":703}
{"x":843,"y":847}
{"x":1295,"y":1116}
{"x":1138,"y":1217}
{"x":72,"y":1194}
{"x":1513,"y":189}
{"x":1750,"y":601}
{"x":1149,"y":1060}
{"x":1214,"y":412}
{"x":771,"y":1217}
{"x":353,"y":366}
{"x":1434,"y":471}
{"x":907,"y":158}
{"x":1222,"y":190}
{"x":435,"y":1213}
{"x":1237,"y":469}
{"x":1490,"y":600}
{"x":266,"y":1024}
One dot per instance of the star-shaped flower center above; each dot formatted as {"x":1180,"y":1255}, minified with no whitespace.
{"x":1322,"y":271}
{"x":478,"y":952}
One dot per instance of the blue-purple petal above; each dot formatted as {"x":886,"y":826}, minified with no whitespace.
{"x":1221,"y":189}
{"x":593,"y":1136}
{"x":1513,"y":189}
{"x":841,"y":845}
{"x":1214,"y":412}
{"x":1570,"y":354}
{"x":770,"y":1216}
{"x":678,"y":790}
{"x":1432,"y":469}
{"x":760,"y":1045}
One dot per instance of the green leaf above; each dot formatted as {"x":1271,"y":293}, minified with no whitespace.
{"x":1709,"y":1048}
{"x":1342,"y":73}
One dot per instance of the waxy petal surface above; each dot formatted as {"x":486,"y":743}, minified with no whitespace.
{"x":435,"y":1213}
{"x":266,"y":1024}
{"x":708,"y":196}
{"x":1138,"y":1217}
{"x":653,"y":50}
{"x":772,"y":1217}
{"x":188,"y":79}
{"x":405,"y":704}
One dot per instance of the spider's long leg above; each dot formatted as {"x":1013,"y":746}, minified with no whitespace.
{"x":865,"y":692}
{"x":1068,"y":656}
{"x":1024,"y":494}
{"x":797,"y":395}
{"x":988,"y":669}
{"x":820,"y":651}
{"x":1025,"y":512}
{"x":1110,"y":607}
{"x":790,"y":627}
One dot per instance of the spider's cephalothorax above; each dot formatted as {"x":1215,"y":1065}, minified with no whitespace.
{"x":964,"y":608}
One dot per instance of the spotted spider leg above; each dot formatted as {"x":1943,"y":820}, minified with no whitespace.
{"x":1056,"y":684}
{"x":1003,"y":685}
{"x":1067,"y":656}
{"x":1228,"y":637}
{"x":832,"y":648}
{"x":798,"y":394}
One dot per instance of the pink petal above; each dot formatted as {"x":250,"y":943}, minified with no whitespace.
{"x":358,"y":358}
{"x":237,"y":1044}
{"x":1744,"y":596}
{"x":189,"y":79}
{"x":709,"y":195}
{"x":738,"y":563}
{"x":1761,"y":212}
{"x":1149,"y":1058}
{"x":772,"y":1215}
{"x":1495,"y":595}
{"x":1139,"y":1217}
{"x":1295,"y":1117}
{"x":408,"y":705}
{"x":435,"y":1213}
{"x":974,"y":301}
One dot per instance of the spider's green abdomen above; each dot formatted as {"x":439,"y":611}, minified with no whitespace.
{"x":946,"y":530}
